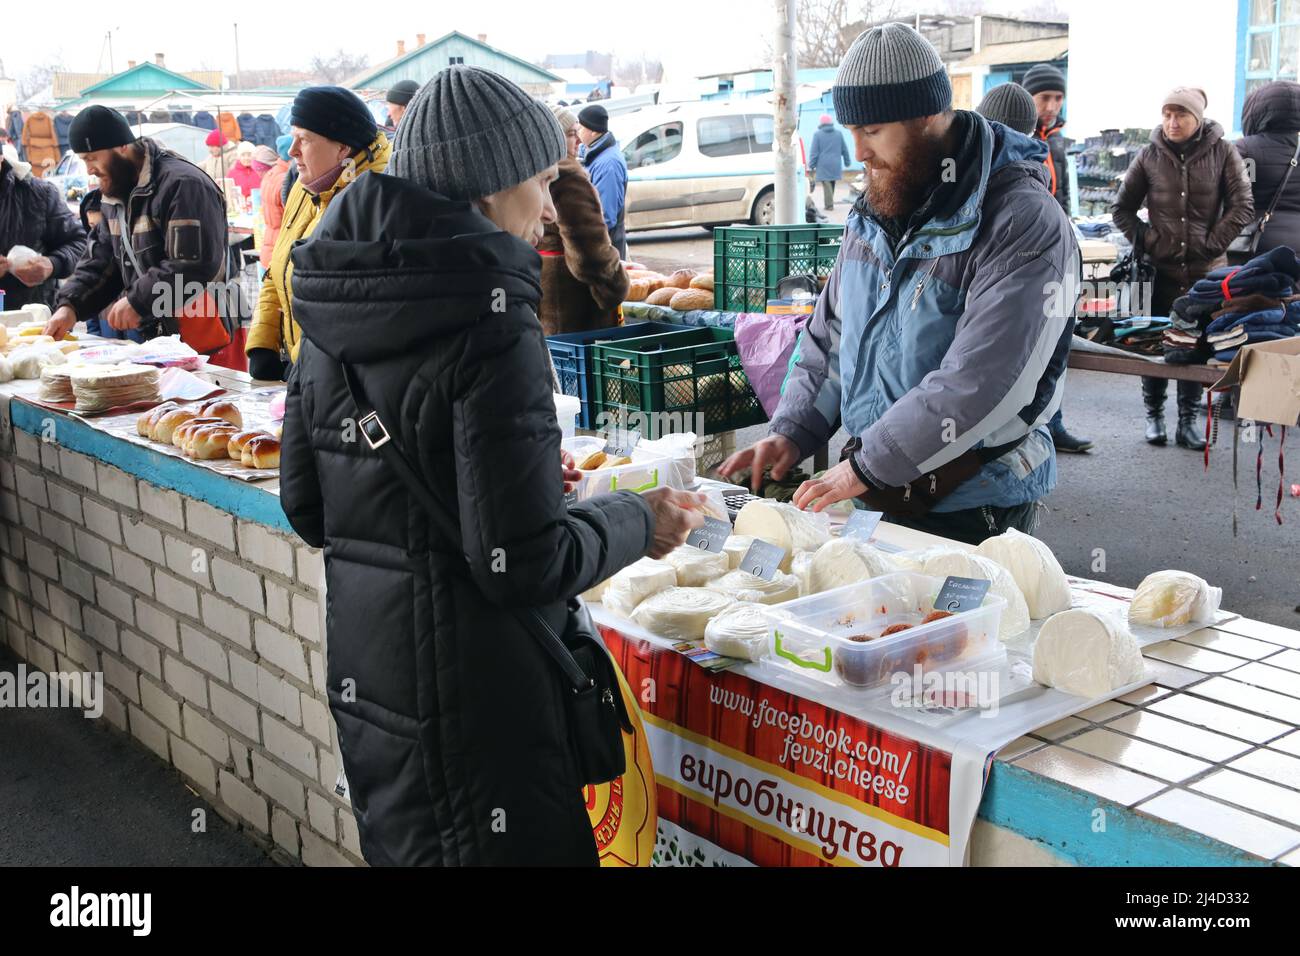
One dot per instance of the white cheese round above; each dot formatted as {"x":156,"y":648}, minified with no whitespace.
{"x":696,"y":567}
{"x":940,"y":562}
{"x":1037,"y":572}
{"x":1086,"y":652}
{"x":629,"y":587}
{"x":741,"y":631}
{"x":785,"y":526}
{"x":846,"y":561}
{"x":1174,"y":598}
{"x":743,"y":586}
{"x":680,"y":614}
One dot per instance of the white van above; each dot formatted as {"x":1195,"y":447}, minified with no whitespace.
{"x":698,"y":164}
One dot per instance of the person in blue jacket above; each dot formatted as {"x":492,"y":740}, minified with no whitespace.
{"x":608,"y":170}
{"x":830,"y":154}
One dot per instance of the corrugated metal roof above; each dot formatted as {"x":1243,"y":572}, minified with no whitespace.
{"x":374,"y":77}
{"x":1021,"y":51}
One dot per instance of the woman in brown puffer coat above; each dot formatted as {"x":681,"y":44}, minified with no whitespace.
{"x":583,"y":280}
{"x":1198,"y":199}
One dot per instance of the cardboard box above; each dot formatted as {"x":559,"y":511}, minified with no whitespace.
{"x":1267,"y":378}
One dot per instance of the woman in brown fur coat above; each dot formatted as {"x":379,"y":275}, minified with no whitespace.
{"x":583,"y":280}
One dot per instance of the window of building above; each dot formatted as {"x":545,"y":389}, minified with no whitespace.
{"x":1272,"y":42}
{"x":455,"y":60}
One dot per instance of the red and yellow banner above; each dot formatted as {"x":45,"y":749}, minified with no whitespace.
{"x":770,"y":776}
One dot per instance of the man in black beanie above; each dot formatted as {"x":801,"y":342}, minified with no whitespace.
{"x":1046,"y":84}
{"x":608,"y":170}
{"x":175,"y":217}
{"x":397,"y":98}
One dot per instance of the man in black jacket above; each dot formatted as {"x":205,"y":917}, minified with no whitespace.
{"x":33,"y":214}
{"x":175,"y":216}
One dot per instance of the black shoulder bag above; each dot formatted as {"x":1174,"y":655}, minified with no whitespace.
{"x":1242,"y":249}
{"x":596,"y":711}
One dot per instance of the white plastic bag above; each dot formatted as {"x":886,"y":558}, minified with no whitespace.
{"x":20,"y":256}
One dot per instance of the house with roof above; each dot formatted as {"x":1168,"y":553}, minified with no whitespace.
{"x":138,"y":84}
{"x":455,"y":49}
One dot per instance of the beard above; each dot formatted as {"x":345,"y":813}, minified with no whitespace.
{"x":120,"y":179}
{"x":898,"y":190}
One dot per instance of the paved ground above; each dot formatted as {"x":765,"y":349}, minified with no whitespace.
{"x":75,"y":793}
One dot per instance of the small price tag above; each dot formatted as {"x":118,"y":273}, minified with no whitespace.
{"x":711,"y":536}
{"x":571,"y":498}
{"x":861,"y":524}
{"x":961,"y":594}
{"x":621,"y":441}
{"x":763,"y":559}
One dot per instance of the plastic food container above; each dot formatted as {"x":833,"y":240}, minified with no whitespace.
{"x":647,"y":470}
{"x":836,"y":637}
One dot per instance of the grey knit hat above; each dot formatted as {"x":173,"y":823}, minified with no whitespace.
{"x":1044,"y":78}
{"x":891,"y":73}
{"x":1011,"y":105}
{"x":470,"y":132}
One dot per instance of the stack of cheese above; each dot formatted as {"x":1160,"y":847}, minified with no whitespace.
{"x":98,"y":388}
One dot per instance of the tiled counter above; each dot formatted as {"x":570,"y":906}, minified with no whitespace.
{"x":203,"y":611}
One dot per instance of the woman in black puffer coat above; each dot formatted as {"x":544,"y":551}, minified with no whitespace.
{"x":452,"y":720}
{"x":1271,"y":121}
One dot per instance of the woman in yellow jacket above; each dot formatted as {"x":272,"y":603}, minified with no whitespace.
{"x":335,"y":139}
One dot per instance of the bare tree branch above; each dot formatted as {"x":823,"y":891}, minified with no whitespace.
{"x":338,"y":66}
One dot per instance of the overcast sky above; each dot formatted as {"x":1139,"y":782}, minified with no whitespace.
{"x":690,"y":36}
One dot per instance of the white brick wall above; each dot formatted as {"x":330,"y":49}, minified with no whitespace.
{"x":207,"y":522}
{"x":220,"y":672}
{"x":239,"y":584}
{"x":162,"y":504}
{"x":281,"y":649}
{"x":117,"y":485}
{"x":243,"y":800}
{"x":143,"y":540}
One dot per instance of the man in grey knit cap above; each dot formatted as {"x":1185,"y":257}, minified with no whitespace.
{"x":939,"y":342}
{"x":1011,"y":105}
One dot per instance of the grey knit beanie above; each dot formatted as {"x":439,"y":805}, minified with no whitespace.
{"x":1044,"y":78}
{"x":1011,"y":105}
{"x":891,"y":73}
{"x":470,"y":132}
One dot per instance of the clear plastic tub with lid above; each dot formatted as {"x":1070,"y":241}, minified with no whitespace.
{"x":861,"y":634}
{"x":646,"y":469}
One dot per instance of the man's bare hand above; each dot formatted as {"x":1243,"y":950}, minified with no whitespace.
{"x":840,"y":483}
{"x":569,"y":469}
{"x":122,"y":316}
{"x":775,"y":450}
{"x":61,"y":322}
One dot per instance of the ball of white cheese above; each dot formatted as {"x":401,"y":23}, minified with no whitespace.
{"x":1086,"y":652}
{"x":844,"y":561}
{"x":742,"y":630}
{"x":680,"y":614}
{"x":940,"y":562}
{"x":638,"y":581}
{"x":1174,"y":598}
{"x":743,"y":586}
{"x":1037,"y":572}
{"x":695,"y":567}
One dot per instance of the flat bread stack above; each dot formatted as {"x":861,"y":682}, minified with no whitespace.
{"x":56,"y":383}
{"x":98,"y":388}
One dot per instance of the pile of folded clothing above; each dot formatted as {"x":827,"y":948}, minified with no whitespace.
{"x":1141,"y":334}
{"x":1235,"y":306}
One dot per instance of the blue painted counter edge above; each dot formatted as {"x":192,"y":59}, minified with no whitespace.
{"x":1060,"y":817}
{"x":240,"y":498}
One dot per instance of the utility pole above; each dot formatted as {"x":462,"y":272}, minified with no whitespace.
{"x":789,"y":209}
{"x":239,"y":85}
{"x":110,"y":53}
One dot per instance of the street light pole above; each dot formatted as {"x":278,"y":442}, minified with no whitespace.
{"x":239,"y":84}
{"x":789,"y":193}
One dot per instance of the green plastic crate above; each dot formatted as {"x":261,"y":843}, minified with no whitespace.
{"x":690,"y":381}
{"x":749,"y":261}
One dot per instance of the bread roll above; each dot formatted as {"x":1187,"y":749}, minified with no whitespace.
{"x":144,"y":424}
{"x":637,"y":290}
{"x":211,"y":441}
{"x":687,"y":299}
{"x":227,"y":411}
{"x":168,"y":423}
{"x":262,"y":452}
{"x":681,"y":279}
{"x":240,"y":439}
{"x":182,"y":432}
{"x":703,"y":281}
{"x":661,"y":296}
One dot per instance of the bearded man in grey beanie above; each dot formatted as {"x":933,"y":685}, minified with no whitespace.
{"x":417,"y":295}
{"x":940,"y":339}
